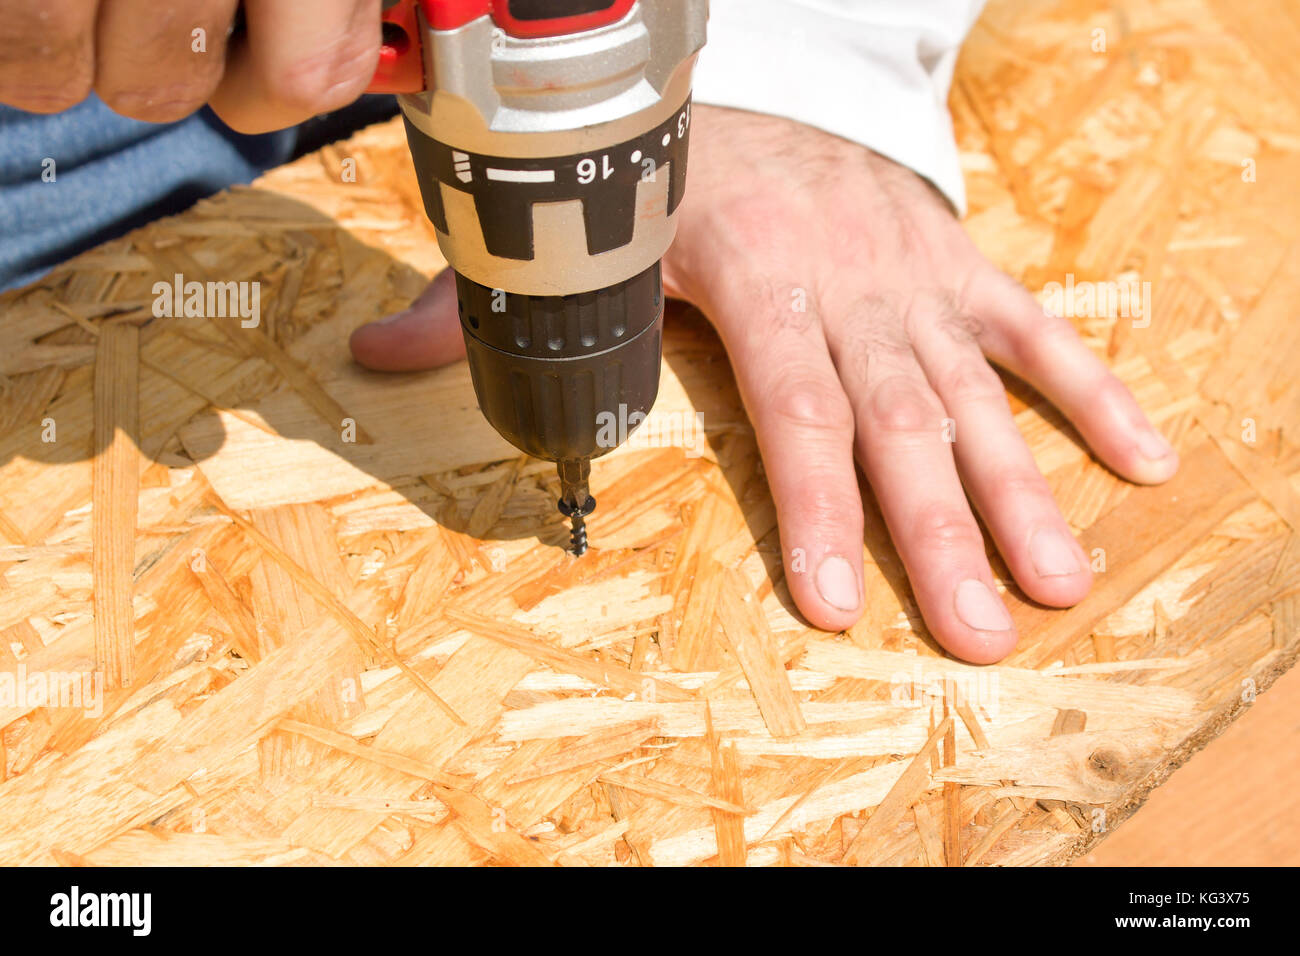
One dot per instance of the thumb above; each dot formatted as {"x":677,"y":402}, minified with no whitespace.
{"x":426,"y":334}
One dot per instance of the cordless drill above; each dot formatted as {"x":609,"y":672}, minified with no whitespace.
{"x":549,"y":138}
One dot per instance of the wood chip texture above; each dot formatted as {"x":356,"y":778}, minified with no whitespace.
{"x":261,"y":606}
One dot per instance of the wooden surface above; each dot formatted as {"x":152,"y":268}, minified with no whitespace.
{"x":1233,"y":804}
{"x":351,"y":635}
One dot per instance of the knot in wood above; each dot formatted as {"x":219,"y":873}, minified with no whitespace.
{"x":1106,"y":763}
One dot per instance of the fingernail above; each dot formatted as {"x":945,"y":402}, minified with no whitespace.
{"x":1153,"y":445}
{"x":1053,"y":554}
{"x":837,"y":584}
{"x":980,"y":608}
{"x":391,"y":318}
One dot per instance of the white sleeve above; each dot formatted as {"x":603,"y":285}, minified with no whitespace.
{"x":875,"y":72}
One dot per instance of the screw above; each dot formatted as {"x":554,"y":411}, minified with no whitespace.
{"x":577,"y":516}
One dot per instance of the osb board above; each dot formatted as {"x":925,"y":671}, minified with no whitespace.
{"x":1234,"y":795}
{"x":374,"y":651}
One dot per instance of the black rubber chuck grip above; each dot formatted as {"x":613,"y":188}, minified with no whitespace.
{"x":565,"y":378}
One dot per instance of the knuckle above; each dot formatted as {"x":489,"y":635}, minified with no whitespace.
{"x":874,"y":343}
{"x":1043,"y":335}
{"x":899,"y":404}
{"x":942,"y":527}
{"x":159,"y":103}
{"x":1057,"y":328}
{"x":150,"y":70}
{"x":61,"y":80}
{"x":1023,"y":483}
{"x":52,"y":40}
{"x":811,"y":404}
{"x":986,"y":280}
{"x":817,"y":507}
{"x":328,"y":78}
{"x":964,"y":328}
{"x":972,"y":383}
{"x":46,"y":99}
{"x":1041,"y":342}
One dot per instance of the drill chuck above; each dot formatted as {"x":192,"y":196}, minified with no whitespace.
{"x":550,"y":371}
{"x":557,"y":375}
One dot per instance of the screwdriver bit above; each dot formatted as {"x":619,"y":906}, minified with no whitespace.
{"x":576,"y":502}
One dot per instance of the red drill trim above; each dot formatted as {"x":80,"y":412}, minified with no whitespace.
{"x":450,"y":14}
{"x":558,"y":26}
{"x":401,"y":58}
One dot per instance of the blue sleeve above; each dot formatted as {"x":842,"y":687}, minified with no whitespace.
{"x":71,"y":180}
